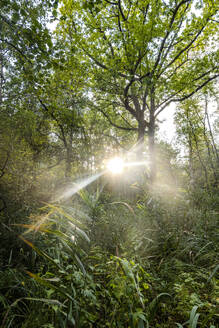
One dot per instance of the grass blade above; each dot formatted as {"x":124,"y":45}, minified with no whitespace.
{"x":39,"y":252}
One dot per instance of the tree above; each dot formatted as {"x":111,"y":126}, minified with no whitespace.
{"x":142,"y":56}
{"x":31,"y":79}
{"x":25,"y":47}
{"x":23,"y":28}
{"x":63,"y":102}
{"x":195,"y":133}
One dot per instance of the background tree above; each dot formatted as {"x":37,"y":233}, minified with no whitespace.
{"x":195,"y":132}
{"x":25,"y":47}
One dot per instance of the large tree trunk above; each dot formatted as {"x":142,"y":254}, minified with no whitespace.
{"x":140,"y":142}
{"x":68,"y":161}
{"x":68,"y":164}
{"x":152,"y":152}
{"x":151,"y":141}
{"x":191,"y":166}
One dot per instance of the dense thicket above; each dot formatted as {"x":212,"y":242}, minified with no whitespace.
{"x":80,"y":83}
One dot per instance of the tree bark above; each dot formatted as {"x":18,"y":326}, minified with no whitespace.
{"x":151,"y":140}
{"x":68,"y":161}
{"x":140,"y":142}
{"x":152,"y":152}
{"x":1,"y":76}
{"x":69,"y":154}
{"x":191,"y":166}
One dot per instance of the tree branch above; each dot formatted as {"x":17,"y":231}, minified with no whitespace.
{"x":197,"y":89}
{"x":98,"y":63}
{"x":121,"y":11}
{"x":171,"y":97}
{"x":116,"y":140}
{"x":167,"y":34}
{"x":126,"y":99}
{"x":115,"y":125}
{"x":53,"y":165}
{"x":55,"y":119}
{"x":16,"y":48}
{"x":183,"y":50}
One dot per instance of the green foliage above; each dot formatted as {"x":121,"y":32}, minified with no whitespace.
{"x":193,"y":319}
{"x":195,"y":132}
{"x":142,"y":56}
{"x":123,"y":252}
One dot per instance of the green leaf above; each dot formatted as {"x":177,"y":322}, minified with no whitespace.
{"x":54,"y":13}
{"x":80,"y":264}
{"x":154,"y":303}
{"x":141,"y":324}
{"x":213,"y":273}
{"x":15,"y":17}
{"x":192,"y":315}
{"x":23,"y":12}
{"x":45,"y":283}
{"x":15,"y":6}
{"x":45,"y":300}
{"x":39,"y":252}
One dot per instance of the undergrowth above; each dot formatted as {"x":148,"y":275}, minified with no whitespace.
{"x":139,"y":263}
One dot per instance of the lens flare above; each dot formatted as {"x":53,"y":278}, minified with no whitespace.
{"x":115,"y":165}
{"x":144,"y":163}
{"x":77,"y":186}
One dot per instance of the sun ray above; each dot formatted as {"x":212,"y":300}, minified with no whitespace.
{"x":115,"y":165}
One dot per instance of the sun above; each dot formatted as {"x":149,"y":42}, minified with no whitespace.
{"x":115,"y":165}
